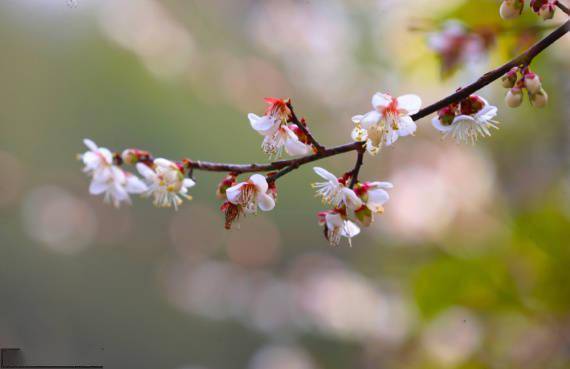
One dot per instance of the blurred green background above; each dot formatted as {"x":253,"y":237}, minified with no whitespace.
{"x":468,"y":267}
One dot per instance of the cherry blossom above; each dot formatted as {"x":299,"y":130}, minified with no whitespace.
{"x":472,"y":118}
{"x":166,"y":183}
{"x":337,"y":226}
{"x":389,"y":120}
{"x":334,"y":190}
{"x":251,"y":194}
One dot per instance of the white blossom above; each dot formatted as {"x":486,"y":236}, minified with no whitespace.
{"x":389,"y":120}
{"x":166,"y":183}
{"x":251,"y":194}
{"x":336,"y":227}
{"x":334,"y":191}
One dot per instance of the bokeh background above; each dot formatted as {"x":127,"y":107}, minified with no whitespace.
{"x":468,"y":267}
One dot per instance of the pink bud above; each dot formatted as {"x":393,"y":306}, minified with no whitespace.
{"x":510,"y":78}
{"x":511,"y":9}
{"x":539,"y":99}
{"x":547,"y":11}
{"x":532,"y":82}
{"x":514,"y":97}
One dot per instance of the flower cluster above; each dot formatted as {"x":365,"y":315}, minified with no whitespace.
{"x":455,"y":45}
{"x":466,"y":120}
{"x":245,"y":197}
{"x":511,"y":9}
{"x":163,"y":179}
{"x":389,"y":119}
{"x":364,"y":200}
{"x":278,"y":131}
{"x":519,"y":79}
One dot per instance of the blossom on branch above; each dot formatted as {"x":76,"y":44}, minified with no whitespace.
{"x":251,"y":194}
{"x":278,"y":135}
{"x":166,"y":183}
{"x":389,"y":119}
{"x":373,"y":196}
{"x":334,"y":191}
{"x":337,"y":225}
{"x":467,"y":120}
{"x":107,"y":178}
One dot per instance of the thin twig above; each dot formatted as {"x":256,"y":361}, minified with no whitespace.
{"x":286,"y":166}
{"x":304,"y":129}
{"x":357,"y":166}
{"x":563,"y":7}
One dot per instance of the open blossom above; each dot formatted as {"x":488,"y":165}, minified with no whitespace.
{"x":334,"y":190}
{"x":337,"y":226}
{"x":107,"y":178}
{"x":466,"y":121}
{"x":278,"y":135}
{"x":251,"y":194}
{"x":166,"y":182}
{"x":373,"y":196}
{"x":389,"y":120}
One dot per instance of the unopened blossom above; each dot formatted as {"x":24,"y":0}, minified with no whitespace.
{"x":389,"y":120}
{"x":514,"y":97}
{"x":510,"y":78}
{"x":539,"y":99}
{"x":511,"y":9}
{"x":337,"y":226}
{"x":544,"y":8}
{"x":335,"y":191}
{"x":251,"y":194}
{"x":532,"y":82}
{"x":474,"y":118}
{"x":107,"y":178}
{"x":166,"y":181}
{"x":278,"y":135}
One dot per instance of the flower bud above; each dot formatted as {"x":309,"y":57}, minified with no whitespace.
{"x":227,"y":182}
{"x":511,"y":9}
{"x":532,"y":82}
{"x":514,"y":97}
{"x":364,"y":215}
{"x":446,"y":115}
{"x":510,"y":78}
{"x":471,"y":105}
{"x":133,"y":156}
{"x":232,"y":213}
{"x":539,"y":99}
{"x":547,"y":11}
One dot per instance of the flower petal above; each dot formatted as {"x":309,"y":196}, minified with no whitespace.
{"x":350,"y":198}
{"x":145,"y":171}
{"x":187,"y":183}
{"x":265,"y":202}
{"x":90,"y":144}
{"x":376,"y":199}
{"x":97,"y":188}
{"x":406,"y":125}
{"x":350,"y":229}
{"x":377,"y":184}
{"x":409,"y":104}
{"x":325,"y":174}
{"x":380,"y":100}
{"x":369,"y":119}
{"x":234,"y":192}
{"x":260,"y":182}
{"x":264,"y":125}
{"x":440,"y":127}
{"x":135,"y":185}
{"x":357,"y":118}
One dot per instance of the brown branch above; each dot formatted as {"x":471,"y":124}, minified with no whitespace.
{"x":357,"y":166}
{"x":304,"y":129}
{"x":285,"y":166}
{"x":563,"y":7}
{"x":523,"y":59}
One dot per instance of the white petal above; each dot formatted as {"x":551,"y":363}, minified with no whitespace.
{"x":375,"y":185}
{"x":187,"y":183}
{"x":487,"y":113}
{"x":369,"y":119}
{"x":97,"y":188}
{"x":463,"y":119}
{"x":233,"y":193}
{"x":411,"y":104}
{"x":90,"y":144}
{"x":380,"y":100}
{"x":351,"y":200}
{"x":146,"y":172}
{"x":264,"y":124}
{"x":107,"y":155}
{"x":357,"y":118}
{"x":325,"y":174}
{"x":295,"y":147}
{"x":359,"y":134}
{"x":334,"y":220}
{"x":165,"y":163}
{"x":350,"y":229}
{"x":440,"y":127}
{"x":135,"y":185}
{"x":91,"y":160}
{"x":377,"y":198}
{"x":260,"y":182}
{"x":406,"y":126}
{"x":391,"y":137}
{"x":265,"y":202}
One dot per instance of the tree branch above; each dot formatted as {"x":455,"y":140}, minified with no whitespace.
{"x":304,"y":129}
{"x":286,"y":166}
{"x":563,"y":7}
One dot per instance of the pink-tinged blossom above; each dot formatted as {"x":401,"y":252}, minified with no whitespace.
{"x":334,"y":191}
{"x":336,"y":225}
{"x":166,"y":183}
{"x":251,"y":194}
{"x":389,"y":119}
